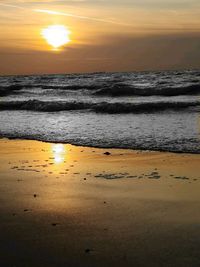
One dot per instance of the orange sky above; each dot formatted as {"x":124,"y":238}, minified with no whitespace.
{"x":110,"y":35}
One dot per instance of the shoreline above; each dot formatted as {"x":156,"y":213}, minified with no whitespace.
{"x":80,"y":207}
{"x":2,"y":137}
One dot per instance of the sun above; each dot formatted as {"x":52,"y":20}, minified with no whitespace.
{"x":56,"y":35}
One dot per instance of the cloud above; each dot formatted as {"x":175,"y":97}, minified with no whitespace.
{"x":118,"y":53}
{"x":146,"y":4}
{"x":51,"y":12}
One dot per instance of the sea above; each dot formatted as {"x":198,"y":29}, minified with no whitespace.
{"x":156,"y":111}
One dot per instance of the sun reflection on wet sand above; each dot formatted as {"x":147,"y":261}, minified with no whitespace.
{"x":55,"y":197}
{"x":59,"y":153}
{"x":59,"y":157}
{"x":63,"y":177}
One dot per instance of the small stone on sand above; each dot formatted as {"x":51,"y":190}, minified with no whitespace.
{"x":107,"y":153}
{"x":87,"y":250}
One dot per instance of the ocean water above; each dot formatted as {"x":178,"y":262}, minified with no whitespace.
{"x":137,"y":110}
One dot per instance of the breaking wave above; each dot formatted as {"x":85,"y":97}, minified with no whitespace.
{"x":154,"y":110}
{"x":109,"y":89}
{"x":102,"y":107}
{"x":126,"y":90}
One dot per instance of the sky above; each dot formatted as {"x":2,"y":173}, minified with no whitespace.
{"x":105,"y":35}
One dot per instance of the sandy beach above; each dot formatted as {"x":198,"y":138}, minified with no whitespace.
{"x":64,"y":205}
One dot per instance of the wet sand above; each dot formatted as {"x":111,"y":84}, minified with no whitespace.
{"x":63,"y":205}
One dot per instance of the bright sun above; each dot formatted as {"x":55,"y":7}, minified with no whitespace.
{"x":56,"y":35}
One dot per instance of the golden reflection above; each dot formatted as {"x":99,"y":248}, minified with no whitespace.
{"x":58,"y":159}
{"x":58,"y":149}
{"x":59,"y":153}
